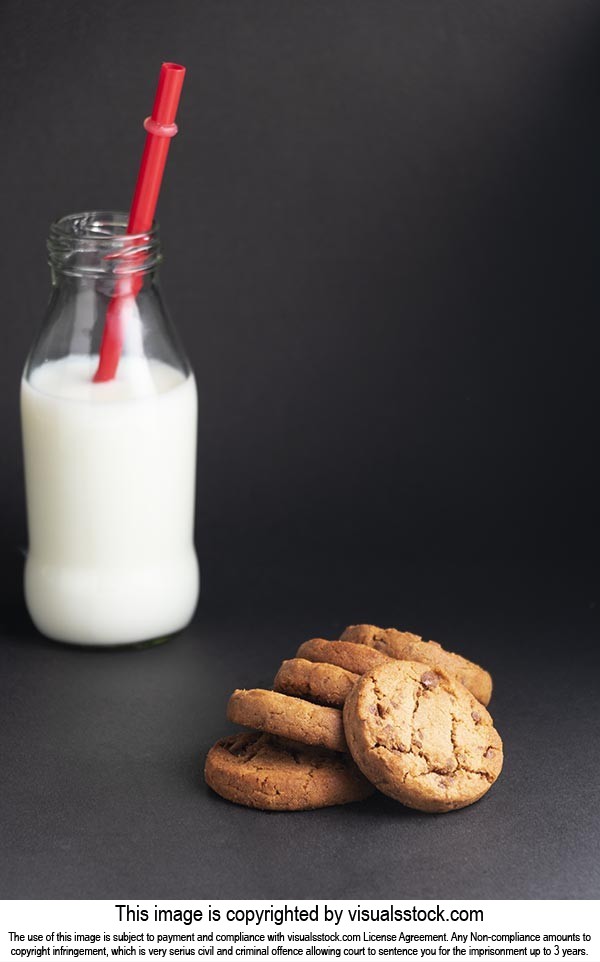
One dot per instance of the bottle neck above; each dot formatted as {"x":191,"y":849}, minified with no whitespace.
{"x":94,"y":246}
{"x":94,"y":261}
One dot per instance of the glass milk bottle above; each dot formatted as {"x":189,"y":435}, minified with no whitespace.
{"x":109,"y":466}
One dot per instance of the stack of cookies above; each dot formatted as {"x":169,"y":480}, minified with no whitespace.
{"x":378,"y":709}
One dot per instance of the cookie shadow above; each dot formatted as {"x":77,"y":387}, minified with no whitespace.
{"x":379,"y":805}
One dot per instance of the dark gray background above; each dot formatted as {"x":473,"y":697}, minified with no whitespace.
{"x":380,"y":230}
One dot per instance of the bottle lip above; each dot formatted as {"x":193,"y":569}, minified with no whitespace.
{"x":97,"y":242}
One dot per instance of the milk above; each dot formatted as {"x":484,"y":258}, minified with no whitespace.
{"x":110,"y":480}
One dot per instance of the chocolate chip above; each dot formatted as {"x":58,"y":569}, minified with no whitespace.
{"x":489,"y":753}
{"x":429,"y":679}
{"x":476,"y":717}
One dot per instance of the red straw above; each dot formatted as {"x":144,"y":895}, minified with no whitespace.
{"x":160,"y":127}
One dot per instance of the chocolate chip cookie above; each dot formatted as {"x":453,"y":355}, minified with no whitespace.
{"x":261,"y":771}
{"x":294,"y":718}
{"x":421,"y":737}
{"x":318,"y":681}
{"x":356,"y":658}
{"x":409,"y":647}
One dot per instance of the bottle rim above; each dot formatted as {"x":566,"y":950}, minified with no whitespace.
{"x":97,"y":242}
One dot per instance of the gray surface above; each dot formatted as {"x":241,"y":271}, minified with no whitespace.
{"x":101,"y":755}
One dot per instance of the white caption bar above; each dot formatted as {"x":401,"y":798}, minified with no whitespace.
{"x":339,"y":929}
